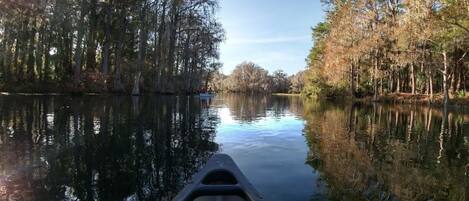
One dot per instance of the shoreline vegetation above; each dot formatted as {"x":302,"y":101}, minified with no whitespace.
{"x":285,"y":94}
{"x":366,"y":51}
{"x":421,"y":99}
{"x":91,"y":46}
{"x":392,"y":51}
{"x":401,"y":98}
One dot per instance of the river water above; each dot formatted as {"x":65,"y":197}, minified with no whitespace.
{"x":146,"y":148}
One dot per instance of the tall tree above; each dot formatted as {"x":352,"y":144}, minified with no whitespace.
{"x":73,"y":45}
{"x":390,"y":46}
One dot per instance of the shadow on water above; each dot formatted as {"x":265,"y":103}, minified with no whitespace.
{"x":385,"y":152}
{"x":101,"y":148}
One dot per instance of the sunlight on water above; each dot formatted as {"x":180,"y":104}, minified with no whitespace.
{"x":225,"y":116}
{"x":271,"y":151}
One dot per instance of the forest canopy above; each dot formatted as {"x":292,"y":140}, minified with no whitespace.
{"x":376,"y":47}
{"x":164,"y":46}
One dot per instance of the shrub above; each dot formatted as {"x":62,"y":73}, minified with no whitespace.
{"x":461,"y":94}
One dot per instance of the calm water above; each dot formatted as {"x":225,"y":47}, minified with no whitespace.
{"x":122,"y":148}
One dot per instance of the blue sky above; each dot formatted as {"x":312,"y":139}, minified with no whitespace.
{"x":276,"y":34}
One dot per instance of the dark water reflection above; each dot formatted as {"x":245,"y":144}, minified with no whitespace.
{"x":98,"y":148}
{"x":119,"y":148}
{"x":389,"y":152}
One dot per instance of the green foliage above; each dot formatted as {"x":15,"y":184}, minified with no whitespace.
{"x":320,"y":32}
{"x":461,"y":94}
{"x":317,"y":88}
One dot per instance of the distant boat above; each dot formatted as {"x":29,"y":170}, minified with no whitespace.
{"x":206,"y":95}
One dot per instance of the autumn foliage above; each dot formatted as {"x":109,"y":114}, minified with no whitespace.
{"x":375,"y":47}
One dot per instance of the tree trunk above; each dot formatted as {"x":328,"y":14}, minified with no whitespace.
{"x":91,"y":40}
{"x":141,"y":52}
{"x":430,"y":76}
{"x":412,"y":78}
{"x":22,"y":43}
{"x":14,"y":65}
{"x":40,"y":52}
{"x":464,"y":79}
{"x":136,"y":88}
{"x":458,"y":83}
{"x":118,"y":87}
{"x":452,"y":79}
{"x":4,"y":48}
{"x":445,"y":79}
{"x":357,"y":75}
{"x":46,"y":77}
{"x":381,"y":88}
{"x":7,"y":64}
{"x":172,"y":43}
{"x":7,"y":59}
{"x":375,"y":77}
{"x":391,"y":81}
{"x":78,"y":48}
{"x":107,"y":43}
{"x":155,"y":44}
{"x":31,"y":58}
{"x":22,"y":57}
{"x":352,"y":78}
{"x":398,"y":87}
{"x":430,"y":85}
{"x":185,"y":72}
{"x":160,"y":83}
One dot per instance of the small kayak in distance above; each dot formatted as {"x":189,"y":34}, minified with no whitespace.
{"x":219,"y":180}
{"x":206,"y":95}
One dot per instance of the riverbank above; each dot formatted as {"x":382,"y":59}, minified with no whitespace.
{"x":407,"y":98}
{"x":285,"y":94}
{"x":394,"y":98}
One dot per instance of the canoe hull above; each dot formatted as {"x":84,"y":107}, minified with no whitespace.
{"x":219,"y":179}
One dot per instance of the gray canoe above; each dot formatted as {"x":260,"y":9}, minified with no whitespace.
{"x":219,"y":180}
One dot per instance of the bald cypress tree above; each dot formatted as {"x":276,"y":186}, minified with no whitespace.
{"x":100,"y":46}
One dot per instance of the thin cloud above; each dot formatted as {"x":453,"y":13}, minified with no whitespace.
{"x":290,"y":62}
{"x":271,"y":40}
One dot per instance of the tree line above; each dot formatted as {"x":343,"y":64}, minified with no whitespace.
{"x":163,"y":46}
{"x":375,"y":47}
{"x":248,"y":77}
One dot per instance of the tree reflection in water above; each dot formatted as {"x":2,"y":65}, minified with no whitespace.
{"x":122,"y":148}
{"x":373,"y":152}
{"x":250,"y":108}
{"x":99,"y":148}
